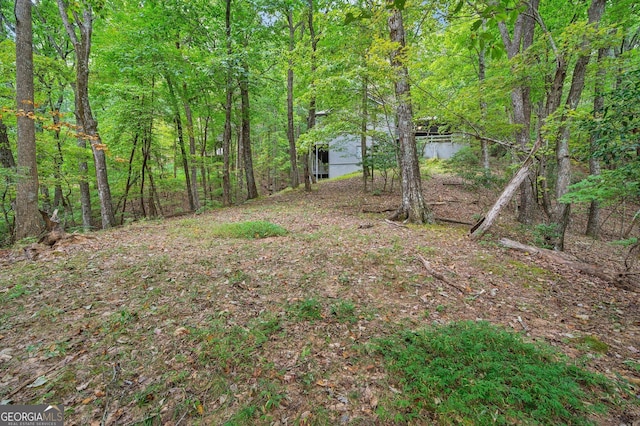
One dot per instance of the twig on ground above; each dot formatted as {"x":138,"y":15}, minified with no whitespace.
{"x":54,"y":367}
{"x":399,"y":225}
{"x":524,"y":326}
{"x":438,"y":275}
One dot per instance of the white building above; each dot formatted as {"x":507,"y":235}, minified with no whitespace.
{"x":344,"y":155}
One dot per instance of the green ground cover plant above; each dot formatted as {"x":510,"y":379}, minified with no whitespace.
{"x":476,"y":373}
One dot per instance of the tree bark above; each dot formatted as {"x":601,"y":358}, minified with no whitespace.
{"x":413,"y":207}
{"x":562,"y":210}
{"x":311,"y":119}
{"x":252,"y":190}
{"x":226,"y":136}
{"x":88,"y":126}
{"x":521,"y":40}
{"x":192,"y":149}
{"x":363,"y":131}
{"x":482,"y":66}
{"x":593,"y":221}
{"x":293,"y":156}
{"x":27,"y":217}
{"x":6,"y":155}
{"x":183,"y":151}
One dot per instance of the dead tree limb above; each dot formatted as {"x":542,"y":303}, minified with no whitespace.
{"x":565,"y":259}
{"x":487,"y":221}
{"x":438,"y":275}
{"x":392,"y":223}
{"x":55,"y":230}
{"x":459,"y":222}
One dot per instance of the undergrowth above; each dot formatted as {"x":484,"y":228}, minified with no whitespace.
{"x":257,"y":229}
{"x":476,"y":373}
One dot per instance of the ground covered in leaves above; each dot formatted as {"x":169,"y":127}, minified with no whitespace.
{"x":173,"y":322}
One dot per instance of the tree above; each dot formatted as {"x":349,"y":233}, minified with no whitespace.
{"x":87,"y":124}
{"x":247,"y":157}
{"x":295,"y":178}
{"x":413,"y":207}
{"x":228,"y":106}
{"x":515,"y":44}
{"x":561,"y":213}
{"x":26,"y":210}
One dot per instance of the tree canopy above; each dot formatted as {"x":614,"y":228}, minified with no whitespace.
{"x":187,"y":109}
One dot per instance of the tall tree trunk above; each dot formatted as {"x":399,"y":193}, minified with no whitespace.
{"x":204,"y":165}
{"x":129,"y":183}
{"x":521,"y":40}
{"x":482,"y":66}
{"x":88,"y":125}
{"x":413,"y":207}
{"x":27,"y":216}
{"x":181,"y":144}
{"x":252,"y":190}
{"x":593,"y":222}
{"x":295,"y":179}
{"x":364,"y":119}
{"x":562,"y":210}
{"x":58,"y":198}
{"x":226,"y":137}
{"x":311,"y":119}
{"x":192,"y":149}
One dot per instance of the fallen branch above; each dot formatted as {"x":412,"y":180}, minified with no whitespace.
{"x":30,"y":380}
{"x":486,"y":222}
{"x":367,"y":209}
{"x":459,"y":222}
{"x":380,"y":210}
{"x":399,"y":225}
{"x":438,"y":275}
{"x":524,"y":326}
{"x":560,"y":258}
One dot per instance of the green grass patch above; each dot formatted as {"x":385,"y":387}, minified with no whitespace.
{"x":196,"y":228}
{"x":344,"y":311}
{"x":591,"y":344}
{"x":230,"y":348}
{"x":249,"y":230}
{"x":305,"y":310}
{"x":476,"y":373}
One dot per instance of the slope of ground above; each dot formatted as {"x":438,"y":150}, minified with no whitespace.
{"x":162,"y":322}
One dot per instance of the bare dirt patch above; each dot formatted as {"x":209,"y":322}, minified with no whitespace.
{"x":160,"y":322}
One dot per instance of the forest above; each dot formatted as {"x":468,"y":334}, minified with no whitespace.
{"x":149,"y":109}
{"x":173,"y":251}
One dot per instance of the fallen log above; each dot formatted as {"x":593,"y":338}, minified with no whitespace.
{"x":565,"y":260}
{"x":459,"y":222}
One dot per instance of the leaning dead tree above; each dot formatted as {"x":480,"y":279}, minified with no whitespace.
{"x":483,"y":225}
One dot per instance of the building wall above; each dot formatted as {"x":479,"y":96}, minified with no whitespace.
{"x":345,"y":156}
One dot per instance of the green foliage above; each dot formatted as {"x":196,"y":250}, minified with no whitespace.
{"x":591,"y":344}
{"x":616,"y":145}
{"x":226,"y":348}
{"x":466,"y":164}
{"x":306,"y":310}
{"x":545,"y":234}
{"x":476,"y":373}
{"x":250,"y":230}
{"x":344,"y":311}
